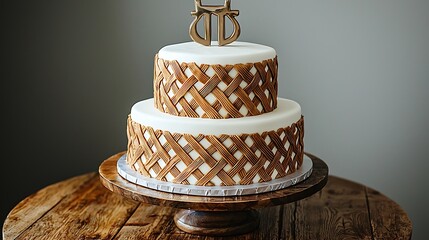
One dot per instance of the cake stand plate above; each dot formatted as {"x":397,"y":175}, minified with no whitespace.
{"x":210,"y":215}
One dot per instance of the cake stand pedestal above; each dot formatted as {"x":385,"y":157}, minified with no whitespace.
{"x":215,"y":216}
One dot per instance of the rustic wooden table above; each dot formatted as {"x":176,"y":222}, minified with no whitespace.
{"x":82,"y":208}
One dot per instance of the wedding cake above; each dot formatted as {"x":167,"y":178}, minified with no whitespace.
{"x":215,"y":125}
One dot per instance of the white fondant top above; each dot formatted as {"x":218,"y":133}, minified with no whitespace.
{"x":234,"y":53}
{"x":286,"y":113}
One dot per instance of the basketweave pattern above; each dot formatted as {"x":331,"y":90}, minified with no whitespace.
{"x":207,"y":160}
{"x":215,"y":91}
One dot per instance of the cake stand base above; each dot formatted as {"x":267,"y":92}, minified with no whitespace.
{"x":214,"y":216}
{"x":217,"y":223}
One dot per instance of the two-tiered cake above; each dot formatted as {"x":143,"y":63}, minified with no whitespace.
{"x":215,"y":119}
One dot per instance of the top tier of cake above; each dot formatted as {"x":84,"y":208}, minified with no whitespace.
{"x":233,"y":81}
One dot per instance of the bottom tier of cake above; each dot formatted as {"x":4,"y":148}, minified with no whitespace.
{"x":212,"y":152}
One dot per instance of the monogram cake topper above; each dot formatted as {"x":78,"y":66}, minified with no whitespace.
{"x":220,"y":11}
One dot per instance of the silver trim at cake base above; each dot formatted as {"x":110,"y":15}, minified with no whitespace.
{"x":217,"y":191}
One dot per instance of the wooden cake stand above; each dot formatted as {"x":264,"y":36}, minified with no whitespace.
{"x":215,"y":216}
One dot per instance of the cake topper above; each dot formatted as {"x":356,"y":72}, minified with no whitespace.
{"x":220,"y":11}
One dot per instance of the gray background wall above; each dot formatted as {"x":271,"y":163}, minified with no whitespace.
{"x":360,"y":70}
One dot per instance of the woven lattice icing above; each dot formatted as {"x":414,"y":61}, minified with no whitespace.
{"x":215,"y":91}
{"x":208,"y":160}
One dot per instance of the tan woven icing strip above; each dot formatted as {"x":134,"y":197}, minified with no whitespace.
{"x":208,"y":160}
{"x":215,"y":91}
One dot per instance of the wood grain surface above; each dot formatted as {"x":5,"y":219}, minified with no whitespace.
{"x":82,"y":208}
